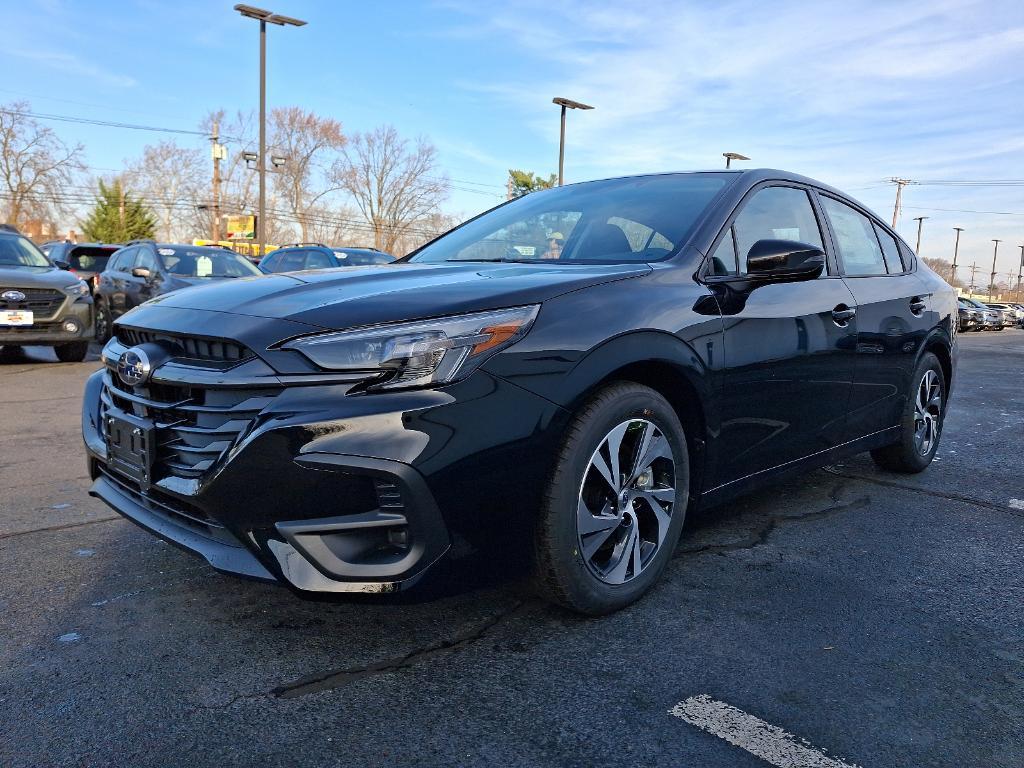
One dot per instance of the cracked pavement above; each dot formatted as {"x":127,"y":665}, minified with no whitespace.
{"x":877,"y":615}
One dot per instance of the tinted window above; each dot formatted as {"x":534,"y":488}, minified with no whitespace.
{"x":775,"y":213}
{"x":890,"y":250}
{"x":585,"y":222}
{"x":362,"y":258}
{"x":269,"y":263}
{"x":318,"y":260}
{"x":855,"y":239}
{"x":90,"y":259}
{"x":723,"y":258}
{"x":124,"y":260}
{"x":146,"y":260}
{"x":197,"y":261}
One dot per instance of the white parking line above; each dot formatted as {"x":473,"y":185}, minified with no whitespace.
{"x":764,"y":740}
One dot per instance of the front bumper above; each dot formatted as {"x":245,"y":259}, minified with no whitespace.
{"x":48,"y":331}
{"x":327,"y":491}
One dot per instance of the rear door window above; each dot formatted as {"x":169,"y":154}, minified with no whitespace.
{"x":855,"y":239}
{"x":890,"y":251}
{"x":318,"y":260}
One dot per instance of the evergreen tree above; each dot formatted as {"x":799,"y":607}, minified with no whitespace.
{"x":524,"y":182}
{"x":107,"y":224}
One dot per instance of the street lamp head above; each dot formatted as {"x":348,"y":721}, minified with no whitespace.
{"x":922,"y":218}
{"x":277,"y":161}
{"x":253,"y":12}
{"x":734,"y":156}
{"x":959,"y":229}
{"x":281,"y":21}
{"x":570,"y":103}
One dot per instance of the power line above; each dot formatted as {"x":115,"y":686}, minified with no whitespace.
{"x":104,"y":123}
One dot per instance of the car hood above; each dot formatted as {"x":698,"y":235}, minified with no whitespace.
{"x":35,"y":277}
{"x":355,"y":296}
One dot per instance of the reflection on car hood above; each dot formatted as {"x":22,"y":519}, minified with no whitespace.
{"x":353,"y":296}
{"x":35,"y":277}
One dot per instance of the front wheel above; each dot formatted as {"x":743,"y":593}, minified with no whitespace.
{"x":72,"y":352}
{"x":921,"y":422}
{"x":615,"y":502}
{"x":103,"y":322}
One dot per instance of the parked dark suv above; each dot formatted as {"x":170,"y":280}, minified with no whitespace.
{"x":86,"y":260}
{"x":144,"y":269}
{"x":301,"y":256}
{"x":690,"y":338}
{"x":41,"y":303}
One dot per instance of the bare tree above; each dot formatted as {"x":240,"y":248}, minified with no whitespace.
{"x":34,"y":165}
{"x":393,"y":184}
{"x":173,"y":181}
{"x":308,"y":143}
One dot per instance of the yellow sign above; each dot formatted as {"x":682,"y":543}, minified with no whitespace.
{"x":241,"y":227}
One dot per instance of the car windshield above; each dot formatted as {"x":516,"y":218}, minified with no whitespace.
{"x":197,"y":261}
{"x":636,"y":219}
{"x":90,"y":258}
{"x":20,"y":252}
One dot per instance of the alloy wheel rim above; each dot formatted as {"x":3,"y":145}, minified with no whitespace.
{"x":625,"y":502}
{"x":927,"y":412}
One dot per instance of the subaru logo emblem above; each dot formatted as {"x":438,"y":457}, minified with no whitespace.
{"x":13,"y":295}
{"x":134,"y":367}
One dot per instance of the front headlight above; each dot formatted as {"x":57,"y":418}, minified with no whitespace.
{"x":422,"y":352}
{"x":77,"y":289}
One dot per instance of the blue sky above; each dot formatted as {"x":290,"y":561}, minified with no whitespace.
{"x":847,"y":92}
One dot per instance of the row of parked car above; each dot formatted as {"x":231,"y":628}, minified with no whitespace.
{"x":65,"y":294}
{"x":976,"y":316}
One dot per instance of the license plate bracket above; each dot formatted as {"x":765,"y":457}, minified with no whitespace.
{"x":130,"y":447}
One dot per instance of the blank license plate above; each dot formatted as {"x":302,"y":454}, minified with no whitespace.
{"x":15,"y":317}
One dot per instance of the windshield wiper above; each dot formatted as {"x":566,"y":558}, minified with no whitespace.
{"x":502,"y":260}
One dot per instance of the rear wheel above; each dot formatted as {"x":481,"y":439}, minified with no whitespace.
{"x":73,"y":352}
{"x":615,"y":503}
{"x":10,"y":352}
{"x":921,"y":422}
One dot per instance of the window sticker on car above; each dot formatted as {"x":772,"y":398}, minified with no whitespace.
{"x":204,"y":266}
{"x":526,"y":250}
{"x":341,"y":254}
{"x":787,"y":233}
{"x":166,"y":251}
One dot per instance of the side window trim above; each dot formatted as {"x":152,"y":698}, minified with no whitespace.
{"x":824,"y":232}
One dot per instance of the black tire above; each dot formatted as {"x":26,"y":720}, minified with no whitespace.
{"x":908,"y":454}
{"x":11,"y":352}
{"x":103,"y":322}
{"x":72,"y":352}
{"x":561,"y":573}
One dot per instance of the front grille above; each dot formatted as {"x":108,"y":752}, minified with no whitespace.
{"x":43,"y":302}
{"x":189,"y":347}
{"x":35,"y":330}
{"x":195,"y":426}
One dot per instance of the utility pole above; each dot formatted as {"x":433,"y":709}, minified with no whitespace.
{"x":1020,"y":273}
{"x":900,"y":184}
{"x":508,"y":188}
{"x":972,"y":286}
{"x":956,"y":250}
{"x":219,"y":152}
{"x":120,"y":190}
{"x":992,"y":277}
{"x":920,"y":221}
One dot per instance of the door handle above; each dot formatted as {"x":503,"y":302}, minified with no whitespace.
{"x":842,"y":315}
{"x":917,"y":305}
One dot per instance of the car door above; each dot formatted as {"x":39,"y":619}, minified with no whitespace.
{"x":788,"y":347}
{"x":893,"y":315}
{"x":119,"y":274}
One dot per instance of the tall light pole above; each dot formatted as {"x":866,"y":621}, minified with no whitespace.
{"x":263,"y":17}
{"x":920,"y":221}
{"x":565,"y":104}
{"x":730,"y":156}
{"x":956,"y":250}
{"x":992,"y":277}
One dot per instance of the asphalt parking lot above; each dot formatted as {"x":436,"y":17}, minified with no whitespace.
{"x":877,"y":619}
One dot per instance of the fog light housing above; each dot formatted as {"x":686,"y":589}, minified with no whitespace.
{"x":71,"y":326}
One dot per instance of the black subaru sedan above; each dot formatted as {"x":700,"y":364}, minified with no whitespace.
{"x":566,"y":375}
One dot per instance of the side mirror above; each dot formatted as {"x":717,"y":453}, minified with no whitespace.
{"x":61,"y":264}
{"x":784,"y":261}
{"x":141,"y":272}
